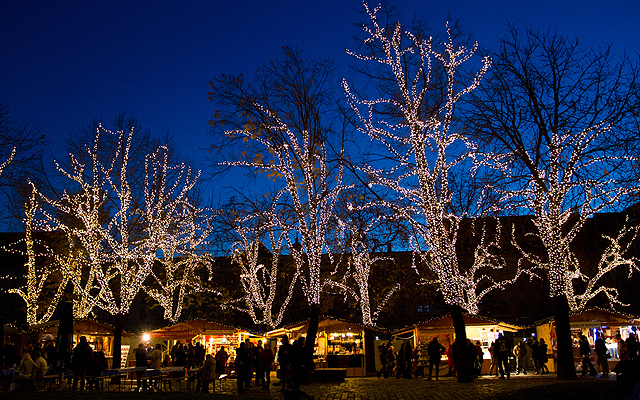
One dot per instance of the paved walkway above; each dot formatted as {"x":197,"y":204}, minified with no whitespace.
{"x":372,"y":388}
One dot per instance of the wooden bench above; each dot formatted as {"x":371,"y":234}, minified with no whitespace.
{"x":329,"y":374}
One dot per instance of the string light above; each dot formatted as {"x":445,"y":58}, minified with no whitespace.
{"x":425,"y":150}
{"x":105,"y":263}
{"x":312,"y":189}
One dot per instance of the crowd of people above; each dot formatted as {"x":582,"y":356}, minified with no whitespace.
{"x":408,"y":362}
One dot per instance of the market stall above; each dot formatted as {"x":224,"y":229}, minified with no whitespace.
{"x":589,"y":322}
{"x":479,"y":329}
{"x":339,"y":344}
{"x":99,"y":335}
{"x":210,"y":334}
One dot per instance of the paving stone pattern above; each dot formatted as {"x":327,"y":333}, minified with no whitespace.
{"x":372,"y":388}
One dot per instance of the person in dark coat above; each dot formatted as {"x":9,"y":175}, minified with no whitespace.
{"x":435,"y":351}
{"x":543,"y":357}
{"x":141,"y":362}
{"x":585,"y":353}
{"x":241,"y":364}
{"x":81,"y":360}
{"x":221,"y":360}
{"x":200,"y":353}
{"x":408,"y":356}
{"x":382,"y":354}
{"x":266,"y":365}
{"x":284,"y":360}
{"x":400,"y":360}
{"x":603,"y":356}
{"x":257,"y":366}
{"x":502,"y":349}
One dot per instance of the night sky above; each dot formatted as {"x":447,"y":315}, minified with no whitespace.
{"x":63,"y":63}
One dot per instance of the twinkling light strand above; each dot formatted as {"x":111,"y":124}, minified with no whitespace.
{"x":425,"y":149}
{"x":312,"y":189}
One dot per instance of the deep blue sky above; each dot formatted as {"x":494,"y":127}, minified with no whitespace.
{"x":64,"y":62}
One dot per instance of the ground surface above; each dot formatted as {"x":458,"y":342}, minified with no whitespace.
{"x":538,"y":387}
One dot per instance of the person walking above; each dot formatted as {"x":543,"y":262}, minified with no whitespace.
{"x":435,"y":351}
{"x":543,"y":357}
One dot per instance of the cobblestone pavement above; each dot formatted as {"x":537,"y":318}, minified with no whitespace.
{"x":371,"y":388}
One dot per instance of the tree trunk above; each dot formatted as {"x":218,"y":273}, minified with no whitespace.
{"x":117,"y":341}
{"x":309,"y":343}
{"x":462,"y":353}
{"x":566,"y":367}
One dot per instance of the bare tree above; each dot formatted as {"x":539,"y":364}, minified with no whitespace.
{"x":552,"y":113}
{"x":21,"y":147}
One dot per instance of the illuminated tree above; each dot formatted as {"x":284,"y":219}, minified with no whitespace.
{"x":278,"y":124}
{"x":39,"y":275}
{"x":421,"y":148}
{"x":260,"y":279}
{"x":175,"y":231}
{"x":126,"y":234}
{"x":555,"y":114}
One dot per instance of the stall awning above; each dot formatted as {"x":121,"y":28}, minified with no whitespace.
{"x":596,"y":317}
{"x":325,"y":324}
{"x":446,"y":323}
{"x":80,"y":327}
{"x":193,"y":328}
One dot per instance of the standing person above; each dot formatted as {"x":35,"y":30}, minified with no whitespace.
{"x":480,"y":359}
{"x":191,"y":356}
{"x":284,"y":359}
{"x":543,"y":357}
{"x":632,"y":346}
{"x":240,"y":364}
{"x":472,"y":358}
{"x":155,"y":358}
{"x":249,"y":362}
{"x":382,"y":354}
{"x":435,"y":351}
{"x":623,"y":353}
{"x":585,"y":353}
{"x":266,"y":365}
{"x":451,"y":360}
{"x":81,"y":361}
{"x":494,"y":359}
{"x":199,"y":354}
{"x":503,"y":357}
{"x":521,"y":357}
{"x":535,"y":355}
{"x":603,"y":355}
{"x":391,"y":359}
{"x":408,"y":357}
{"x":257,"y":365}
{"x":221,"y":360}
{"x":141,"y":362}
{"x":400,"y":360}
